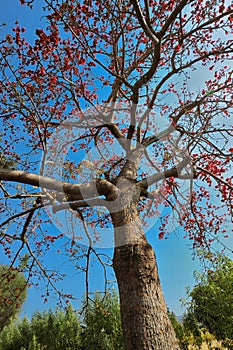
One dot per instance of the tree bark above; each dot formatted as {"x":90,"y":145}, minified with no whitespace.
{"x":145,"y":320}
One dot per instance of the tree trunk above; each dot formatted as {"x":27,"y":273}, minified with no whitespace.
{"x":145,"y":321}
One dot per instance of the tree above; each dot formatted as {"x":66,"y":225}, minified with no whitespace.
{"x":181,"y":333}
{"x":12,"y":293}
{"x":47,"y":330}
{"x":64,"y":330}
{"x":212,"y":300}
{"x":105,"y":98}
{"x":103,"y":324}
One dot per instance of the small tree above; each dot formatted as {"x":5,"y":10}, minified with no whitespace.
{"x":103,"y":324}
{"x":55,"y":330}
{"x":12,"y":293}
{"x":181,"y":332}
{"x":212,"y":301}
{"x":48,"y":330}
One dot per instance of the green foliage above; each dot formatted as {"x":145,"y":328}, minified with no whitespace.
{"x":57,"y":330}
{"x":212,"y":301}
{"x":12,"y":293}
{"x":60,"y":330}
{"x":182,"y":334}
{"x":48,"y":330}
{"x":6,"y":161}
{"x":100,"y":329}
{"x":192,"y":328}
{"x":103,"y":323}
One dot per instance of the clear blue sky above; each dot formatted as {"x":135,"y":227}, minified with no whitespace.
{"x":174,"y":256}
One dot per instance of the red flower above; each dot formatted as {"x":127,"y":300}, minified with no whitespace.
{"x":177,"y":48}
{"x":82,"y":61}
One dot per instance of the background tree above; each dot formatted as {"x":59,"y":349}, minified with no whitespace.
{"x":12,"y":293}
{"x":100,"y":328}
{"x":47,"y":330}
{"x":103,"y":324}
{"x":182,"y":334}
{"x":211,"y":302}
{"x":119,"y":77}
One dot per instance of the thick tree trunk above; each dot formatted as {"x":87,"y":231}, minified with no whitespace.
{"x":145,"y":321}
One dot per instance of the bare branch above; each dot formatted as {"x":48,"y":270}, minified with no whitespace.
{"x":205,"y":24}
{"x":74,"y":191}
{"x":215,"y":177}
{"x":144,"y":24}
{"x":173,"y":172}
{"x":76,"y":205}
{"x":173,"y":16}
{"x":29,"y":218}
{"x":28,"y":211}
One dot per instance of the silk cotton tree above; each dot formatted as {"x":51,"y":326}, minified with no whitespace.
{"x":114,"y":110}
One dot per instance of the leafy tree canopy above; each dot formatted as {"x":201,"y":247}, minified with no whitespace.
{"x":212,"y":301}
{"x":99,"y":329}
{"x":103,"y":324}
{"x":12,"y":293}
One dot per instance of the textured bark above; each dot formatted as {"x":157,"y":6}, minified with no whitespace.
{"x":145,"y":321}
{"x":72,"y":191}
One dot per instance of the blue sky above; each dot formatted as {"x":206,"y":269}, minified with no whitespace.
{"x":174,"y":256}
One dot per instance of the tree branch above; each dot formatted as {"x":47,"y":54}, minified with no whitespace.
{"x":172,"y":17}
{"x":154,"y":138}
{"x":203,"y":25}
{"x":145,"y":26}
{"x":215,"y":177}
{"x":173,"y":172}
{"x":74,"y":191}
{"x":28,"y":211}
{"x":77,"y":205}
